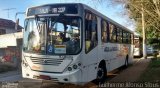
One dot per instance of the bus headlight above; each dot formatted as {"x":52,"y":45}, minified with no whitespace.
{"x":24,"y":63}
{"x":79,"y":64}
{"x":75,"y":66}
{"x":69,"y":68}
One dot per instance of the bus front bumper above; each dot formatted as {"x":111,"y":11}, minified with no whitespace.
{"x":65,"y":77}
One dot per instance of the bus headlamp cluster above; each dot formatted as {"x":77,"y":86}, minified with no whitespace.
{"x":75,"y":66}
{"x":69,"y":68}
{"x":24,"y":63}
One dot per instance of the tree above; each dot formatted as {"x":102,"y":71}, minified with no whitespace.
{"x":133,"y":8}
{"x":151,"y":14}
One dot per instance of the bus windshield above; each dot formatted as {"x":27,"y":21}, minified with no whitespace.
{"x":49,"y":35}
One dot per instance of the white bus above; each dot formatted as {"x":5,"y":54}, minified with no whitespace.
{"x":73,"y":43}
{"x":138,"y":48}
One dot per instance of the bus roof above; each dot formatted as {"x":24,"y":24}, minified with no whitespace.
{"x":90,"y":9}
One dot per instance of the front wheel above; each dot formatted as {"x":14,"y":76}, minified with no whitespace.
{"x":101,"y":74}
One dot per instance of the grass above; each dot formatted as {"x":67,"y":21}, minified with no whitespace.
{"x":152,"y":73}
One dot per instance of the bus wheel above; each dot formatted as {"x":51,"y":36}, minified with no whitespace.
{"x":101,"y":73}
{"x":126,"y":62}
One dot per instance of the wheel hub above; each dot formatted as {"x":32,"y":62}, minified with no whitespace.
{"x":100,"y":73}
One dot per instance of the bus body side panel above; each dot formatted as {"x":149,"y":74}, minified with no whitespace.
{"x":111,"y":55}
{"x":116,"y":54}
{"x":89,"y":61}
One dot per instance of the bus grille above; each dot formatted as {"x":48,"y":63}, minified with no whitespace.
{"x":47,"y":61}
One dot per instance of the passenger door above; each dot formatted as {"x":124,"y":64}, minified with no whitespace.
{"x":90,"y":55}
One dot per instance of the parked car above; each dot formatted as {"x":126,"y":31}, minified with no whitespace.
{"x":151,"y":51}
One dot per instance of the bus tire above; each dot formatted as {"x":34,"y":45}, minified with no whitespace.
{"x":101,"y":72}
{"x":126,"y":62}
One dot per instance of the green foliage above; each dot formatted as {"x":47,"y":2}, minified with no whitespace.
{"x":152,"y":72}
{"x":151,"y":10}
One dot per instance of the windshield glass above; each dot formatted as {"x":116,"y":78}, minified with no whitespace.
{"x":50,"y":35}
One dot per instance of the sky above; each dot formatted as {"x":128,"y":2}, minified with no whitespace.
{"x":110,"y":11}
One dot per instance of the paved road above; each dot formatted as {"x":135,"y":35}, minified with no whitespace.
{"x":12,"y":78}
{"x":15,"y":77}
{"x":132,"y":73}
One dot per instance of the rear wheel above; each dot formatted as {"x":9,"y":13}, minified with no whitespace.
{"x":101,"y":73}
{"x":126,"y":61}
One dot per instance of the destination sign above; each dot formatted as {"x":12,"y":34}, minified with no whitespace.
{"x":53,"y":9}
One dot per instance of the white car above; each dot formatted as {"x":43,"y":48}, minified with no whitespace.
{"x":150,"y":51}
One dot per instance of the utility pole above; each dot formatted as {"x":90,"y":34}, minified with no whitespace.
{"x":8,"y":9}
{"x":17,"y":20}
{"x":143,"y":32}
{"x":17,"y":13}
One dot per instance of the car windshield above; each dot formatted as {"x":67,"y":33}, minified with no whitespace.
{"x":49,"y":35}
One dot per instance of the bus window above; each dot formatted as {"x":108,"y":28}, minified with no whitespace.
{"x":119,"y":35}
{"x":129,"y":38}
{"x":136,"y":43}
{"x":91,"y":40}
{"x":132,"y":39}
{"x":124,"y":37}
{"x":113,"y":32}
{"x":104,"y":31}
